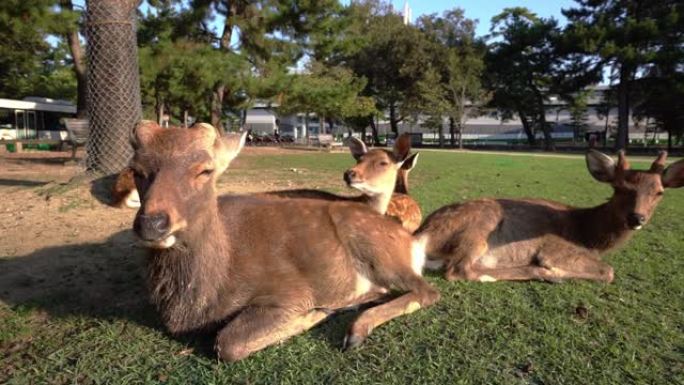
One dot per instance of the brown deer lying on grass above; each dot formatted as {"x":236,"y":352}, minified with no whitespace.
{"x":262,"y":269}
{"x":382,"y":177}
{"x":521,"y":239}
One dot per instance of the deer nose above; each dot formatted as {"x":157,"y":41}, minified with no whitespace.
{"x":635,"y":220}
{"x":349,"y":176}
{"x":151,"y":227}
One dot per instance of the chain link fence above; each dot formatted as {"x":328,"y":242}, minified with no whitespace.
{"x":114,"y":105}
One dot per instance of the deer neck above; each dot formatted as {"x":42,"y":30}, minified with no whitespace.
{"x":183,"y":278}
{"x":379,"y":202}
{"x":603,"y":227}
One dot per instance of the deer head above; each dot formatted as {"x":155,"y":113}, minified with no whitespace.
{"x":175,"y":173}
{"x":636,"y":192}
{"x":376,"y":170}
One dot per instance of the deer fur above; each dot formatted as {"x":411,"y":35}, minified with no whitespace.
{"x":523,"y":239}
{"x":261,"y":270}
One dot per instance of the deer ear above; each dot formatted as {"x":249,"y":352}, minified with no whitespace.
{"x":410,"y":162}
{"x":402,"y":146}
{"x":357,"y":147}
{"x":601,"y":166}
{"x":207,"y":131}
{"x":143,"y":133}
{"x":659,"y":164}
{"x":227,"y":148}
{"x":673,"y":176}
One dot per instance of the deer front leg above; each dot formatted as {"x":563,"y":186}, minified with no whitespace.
{"x":422,"y":296}
{"x":518,"y":273}
{"x":567,"y":261}
{"x":461,"y":261}
{"x":258,"y":327}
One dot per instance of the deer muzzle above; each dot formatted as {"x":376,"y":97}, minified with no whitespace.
{"x":154,"y":230}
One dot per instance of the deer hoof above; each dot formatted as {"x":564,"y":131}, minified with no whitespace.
{"x":352,"y":341}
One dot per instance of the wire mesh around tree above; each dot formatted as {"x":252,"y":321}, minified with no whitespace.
{"x":114,"y":105}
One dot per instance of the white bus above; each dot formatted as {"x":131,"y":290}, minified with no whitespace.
{"x":34,"y":118}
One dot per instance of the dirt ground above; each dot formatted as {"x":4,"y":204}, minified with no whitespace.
{"x":43,"y":216}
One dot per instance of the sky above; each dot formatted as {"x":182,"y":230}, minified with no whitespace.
{"x":484,"y":10}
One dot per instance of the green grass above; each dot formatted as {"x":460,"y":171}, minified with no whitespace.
{"x":505,"y":333}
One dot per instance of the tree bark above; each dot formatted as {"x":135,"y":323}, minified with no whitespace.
{"x":79,"y":65}
{"x":374,"y":130}
{"x":548,"y":138}
{"x":160,"y":111}
{"x":440,"y":132}
{"x":622,"y":139}
{"x":452,"y":132}
{"x":527,"y":127}
{"x":605,"y":129}
{"x":220,"y":90}
{"x":394,"y":120}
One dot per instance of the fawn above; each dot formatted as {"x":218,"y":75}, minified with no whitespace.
{"x":382,"y":177}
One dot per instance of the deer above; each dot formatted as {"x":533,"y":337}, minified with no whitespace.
{"x":382,"y":178}
{"x":124,"y":192}
{"x":258,"y":271}
{"x":490,"y":240}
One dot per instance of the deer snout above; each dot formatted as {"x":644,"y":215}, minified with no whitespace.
{"x":152,"y":227}
{"x":635,"y":221}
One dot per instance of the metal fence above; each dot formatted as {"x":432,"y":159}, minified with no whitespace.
{"x":114,"y":105}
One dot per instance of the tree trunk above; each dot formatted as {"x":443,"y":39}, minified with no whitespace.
{"x":160,"y":112}
{"x":452,"y":132}
{"x":394,"y":121}
{"x":114,"y":106}
{"x":79,"y":65}
{"x":185,"y":118}
{"x":440,"y":132}
{"x":605,"y":129}
{"x":527,"y":127}
{"x":548,"y":139}
{"x":374,"y":130}
{"x":220,"y":91}
{"x":217,"y":105}
{"x":622,"y":139}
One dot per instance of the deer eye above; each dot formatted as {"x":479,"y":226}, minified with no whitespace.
{"x":206,"y":172}
{"x":384,"y":163}
{"x":137,"y":174}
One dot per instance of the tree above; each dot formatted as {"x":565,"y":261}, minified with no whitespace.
{"x":520,"y":68}
{"x":23,"y":29}
{"x":393,"y":58}
{"x":461,"y":58}
{"x":67,"y":25}
{"x":269,"y":33}
{"x":623,"y":34}
{"x":578,"y":106}
{"x":332,"y":93}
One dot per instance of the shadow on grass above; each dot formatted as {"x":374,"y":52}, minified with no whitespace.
{"x":103,"y":280}
{"x":107,"y":281}
{"x":46,"y":160}
{"x":21,"y":183}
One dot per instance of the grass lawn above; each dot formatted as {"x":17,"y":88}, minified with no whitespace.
{"x":630,"y":331}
